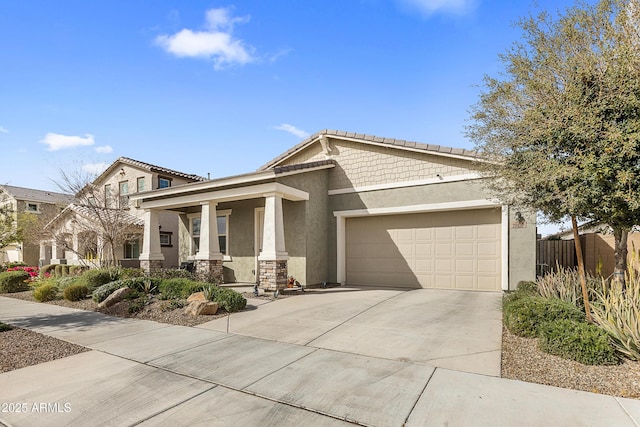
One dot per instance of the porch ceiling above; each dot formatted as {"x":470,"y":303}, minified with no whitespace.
{"x":184,"y":201}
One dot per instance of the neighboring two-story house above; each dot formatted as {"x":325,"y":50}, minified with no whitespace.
{"x":100,"y":227}
{"x":28,"y":206}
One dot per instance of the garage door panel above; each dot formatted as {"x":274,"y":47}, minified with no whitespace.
{"x":450,"y":250}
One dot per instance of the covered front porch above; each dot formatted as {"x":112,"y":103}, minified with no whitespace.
{"x":229,"y":232}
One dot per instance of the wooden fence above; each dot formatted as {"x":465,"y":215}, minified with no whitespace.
{"x":553,"y":253}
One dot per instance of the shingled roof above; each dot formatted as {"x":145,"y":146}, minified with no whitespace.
{"x":33,"y":195}
{"x":392,"y":142}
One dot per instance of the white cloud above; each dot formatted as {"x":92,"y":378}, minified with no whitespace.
{"x":104,"y":149}
{"x":292,"y":130}
{"x":216,"y":42}
{"x":58,"y":142}
{"x":3,"y":130}
{"x":429,"y":7}
{"x":95,"y":168}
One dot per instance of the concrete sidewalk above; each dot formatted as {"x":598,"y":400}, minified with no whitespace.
{"x":147,"y":373}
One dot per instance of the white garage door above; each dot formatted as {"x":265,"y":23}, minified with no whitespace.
{"x":451,"y":250}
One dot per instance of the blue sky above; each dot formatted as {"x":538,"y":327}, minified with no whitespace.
{"x":223,"y":87}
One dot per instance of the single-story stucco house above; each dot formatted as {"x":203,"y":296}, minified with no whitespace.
{"x":352,"y":209}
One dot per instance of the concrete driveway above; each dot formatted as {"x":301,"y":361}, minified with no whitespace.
{"x":459,"y":330}
{"x":151,"y":374}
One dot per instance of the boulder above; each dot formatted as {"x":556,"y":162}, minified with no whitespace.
{"x":115,"y":297}
{"x":198,"y":296}
{"x":201,"y":308}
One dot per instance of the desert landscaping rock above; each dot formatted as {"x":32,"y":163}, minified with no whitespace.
{"x":115,"y":297}
{"x":197,"y":296}
{"x":201,"y":308}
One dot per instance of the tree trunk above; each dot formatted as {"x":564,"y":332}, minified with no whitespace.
{"x":620,"y":252}
{"x":581,"y":273}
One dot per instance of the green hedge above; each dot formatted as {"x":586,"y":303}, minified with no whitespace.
{"x":14,"y":281}
{"x":228,"y":299}
{"x":46,"y":292}
{"x":102,"y":292}
{"x":579,"y":341}
{"x":93,"y":279}
{"x":75,"y":292}
{"x":524,"y":315}
{"x":179,"y":288}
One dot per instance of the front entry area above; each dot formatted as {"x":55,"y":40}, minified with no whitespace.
{"x":450,"y":250}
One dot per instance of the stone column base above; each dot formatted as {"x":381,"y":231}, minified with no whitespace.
{"x":273,"y":274}
{"x":149,"y":265}
{"x":209,"y":270}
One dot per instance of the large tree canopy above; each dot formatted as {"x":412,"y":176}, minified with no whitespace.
{"x":561,"y":126}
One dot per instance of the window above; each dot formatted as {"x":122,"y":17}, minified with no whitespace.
{"x":108,"y":196}
{"x":132,"y":249}
{"x":223,"y":228}
{"x":165,"y":238}
{"x":32,"y":207}
{"x":164,"y":182}
{"x":195,"y":235}
{"x":123,"y":190}
{"x":222,"y":224}
{"x":140,"y":184}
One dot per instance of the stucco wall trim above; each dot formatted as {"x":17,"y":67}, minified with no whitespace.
{"x":434,"y":207}
{"x":391,"y":185}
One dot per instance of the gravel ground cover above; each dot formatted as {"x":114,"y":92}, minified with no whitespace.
{"x":521,"y":359}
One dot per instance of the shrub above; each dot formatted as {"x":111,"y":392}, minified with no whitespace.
{"x":46,"y":292}
{"x":128,"y":273}
{"x":75,"y":292}
{"x":76,"y":270}
{"x":228,"y":299}
{"x":179,"y":287}
{"x":47,"y":269}
{"x":617,"y":311}
{"x":98,"y":277}
{"x":64,"y":282}
{"x":582,"y":342}
{"x":523,"y":316}
{"x":14,"y":281}
{"x":4,"y":327}
{"x":102,"y":292}
{"x":172,"y":305}
{"x":564,"y":284}
{"x":146,"y":285}
{"x":136,"y":306}
{"x":13,"y":265}
{"x":57,"y":270}
{"x":527,"y":287}
{"x":172,"y":273}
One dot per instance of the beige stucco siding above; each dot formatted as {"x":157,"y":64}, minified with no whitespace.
{"x":361,"y":165}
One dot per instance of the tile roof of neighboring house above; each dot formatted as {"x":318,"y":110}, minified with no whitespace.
{"x":398,"y":143}
{"x":33,"y":195}
{"x":151,"y":168}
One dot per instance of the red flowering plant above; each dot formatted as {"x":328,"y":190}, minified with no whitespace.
{"x":33,"y":271}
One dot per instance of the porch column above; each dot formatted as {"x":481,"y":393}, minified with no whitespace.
{"x":57,"y":256}
{"x":208,"y":260}
{"x":75,"y":247}
{"x":273,"y":258}
{"x":151,"y":257}
{"x":42,"y":259}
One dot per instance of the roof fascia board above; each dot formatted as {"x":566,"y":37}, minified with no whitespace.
{"x":213,"y":184}
{"x":231,"y":194}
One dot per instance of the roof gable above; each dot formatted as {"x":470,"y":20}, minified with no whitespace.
{"x":401,"y":144}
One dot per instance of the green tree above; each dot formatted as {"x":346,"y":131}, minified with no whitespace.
{"x":560,"y":128}
{"x":9,"y":231}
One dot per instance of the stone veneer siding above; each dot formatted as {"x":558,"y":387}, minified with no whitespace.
{"x":362,"y":164}
{"x":150,"y":264}
{"x":209,"y":270}
{"x":273,"y":275}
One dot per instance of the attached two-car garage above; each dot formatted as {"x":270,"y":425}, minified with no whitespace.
{"x":458,"y":249}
